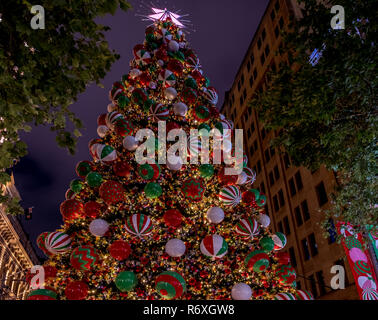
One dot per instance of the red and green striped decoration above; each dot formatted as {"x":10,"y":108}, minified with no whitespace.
{"x":58,"y":242}
{"x":230,"y":196}
{"x":84,"y":258}
{"x":286,"y":275}
{"x":248,"y":228}
{"x":42,"y":294}
{"x":124,"y":128}
{"x":170,"y":285}
{"x":149,"y":172}
{"x":286,"y":296}
{"x":304,"y":295}
{"x":214,"y":246}
{"x":139,"y":225}
{"x":41,"y":243}
{"x":193,"y":189}
{"x":257,"y":261}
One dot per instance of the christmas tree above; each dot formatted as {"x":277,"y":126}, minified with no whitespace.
{"x":163,"y":231}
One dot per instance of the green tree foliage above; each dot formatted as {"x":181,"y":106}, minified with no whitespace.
{"x":42,"y":71}
{"x":328,"y":110}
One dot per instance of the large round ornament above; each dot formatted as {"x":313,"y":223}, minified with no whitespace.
{"x":176,"y":67}
{"x":123,"y":128}
{"x":251,"y":175}
{"x":266,"y":244}
{"x":122,"y":169}
{"x":215,"y":215}
{"x":101,"y":120}
{"x":98,"y":227}
{"x":230,"y":196}
{"x":42,"y":294}
{"x":170,"y":93}
{"x":283,"y":257}
{"x":170,"y":285}
{"x":264,"y":220}
{"x":206,"y":171}
{"x":167,"y":78}
{"x":126,"y":281}
{"x":84,"y":258}
{"x":175,"y":248}
{"x":304,"y":295}
{"x":173,"y":218}
{"x":153,"y":190}
{"x":279,"y":240}
{"x":41,"y":243}
{"x":102,"y":131}
{"x":141,"y":55}
{"x":194,"y":146}
{"x":111,"y":192}
{"x":94,"y":179}
{"x":226,"y":179}
{"x":57,"y":242}
{"x":112,"y":118}
{"x":76,"y":185}
{"x":105,"y":153}
{"x":149,"y":172}
{"x":241,"y":291}
{"x":83,"y":168}
{"x":139,"y":225}
{"x":211,"y":95}
{"x":214,"y":246}
{"x":257,"y":261}
{"x":248,"y":228}
{"x":174,"y":163}
{"x":284,"y":296}
{"x":180,"y":109}
{"x":286,"y":275}
{"x":76,"y":290}
{"x":130,"y":143}
{"x":120,"y":250}
{"x":159,"y":112}
{"x":189,"y":96}
{"x":92,"y":209}
{"x":193,"y":189}
{"x":71,"y":209}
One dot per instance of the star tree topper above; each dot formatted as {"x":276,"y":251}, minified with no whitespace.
{"x":164,"y":14}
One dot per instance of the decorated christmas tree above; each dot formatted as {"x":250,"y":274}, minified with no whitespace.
{"x":164,"y":231}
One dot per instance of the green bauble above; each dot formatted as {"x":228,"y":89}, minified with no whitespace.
{"x":206,"y":170}
{"x":123,"y":101}
{"x":219,"y":126}
{"x":204,"y":130}
{"x":76,"y":185}
{"x":150,"y":37}
{"x":126,"y":281}
{"x":147,"y":105}
{"x":207,"y":82}
{"x":94,"y":179}
{"x":267,"y":244}
{"x":153,"y":190}
{"x":202,"y":112}
{"x":191,"y":83}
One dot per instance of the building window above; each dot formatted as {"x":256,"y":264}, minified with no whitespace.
{"x":306,"y":251}
{"x":298,"y":180}
{"x":263,"y":35}
{"x":281,"y":22}
{"x":272,"y":152}
{"x":287,"y":226}
{"x":252,"y":59}
{"x":277,"y":32}
{"x":293,"y":191}
{"x":321,"y":193}
{"x":263,"y":133}
{"x":241,"y":100}
{"x":277,"y":5}
{"x":276,"y":171}
{"x":259,"y":44}
{"x":280,"y":227}
{"x":267,"y":50}
{"x":267,"y":155}
{"x":314,"y":289}
{"x":293,"y":259}
{"x":249,"y":66}
{"x":321,"y":282}
{"x":252,"y":124}
{"x":298,"y":216}
{"x":275,"y":203}
{"x":255,"y":73}
{"x":305,"y":211}
{"x":255,"y":145}
{"x":271,"y":179}
{"x":242,"y":79}
{"x":262,"y":187}
{"x":287,"y":161}
{"x":313,"y":245}
{"x":249,"y":133}
{"x":332,"y":232}
{"x":245,"y":94}
{"x":272,"y":15}
{"x":239,"y":85}
{"x":258,"y":166}
{"x":262,"y":59}
{"x":281,"y":197}
{"x":251,"y":81}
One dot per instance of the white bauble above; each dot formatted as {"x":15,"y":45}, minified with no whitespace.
{"x":174,"y":163}
{"x":227,"y":145}
{"x":215,"y":215}
{"x":242,"y":178}
{"x":264,"y":220}
{"x":98,"y":227}
{"x":173,"y":46}
{"x":180,"y":109}
{"x":111,"y":107}
{"x":170,"y":93}
{"x":175,"y":248}
{"x":102,"y":130}
{"x":241,"y":291}
{"x":135,"y":73}
{"x":130,"y":143}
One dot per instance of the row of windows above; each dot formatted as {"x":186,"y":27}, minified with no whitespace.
{"x":269,"y":153}
{"x":309,"y":247}
{"x":274,"y":176}
{"x":297,"y":186}
{"x":302,"y":213}
{"x":278,"y":201}
{"x":284,"y":226}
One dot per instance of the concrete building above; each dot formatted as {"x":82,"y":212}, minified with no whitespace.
{"x":17,"y":255}
{"x":294,"y":195}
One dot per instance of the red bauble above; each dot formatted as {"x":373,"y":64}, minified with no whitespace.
{"x":283,"y":258}
{"x":145,"y":79}
{"x":92,"y":209}
{"x":161,"y":54}
{"x":226,"y":179}
{"x":122,"y":169}
{"x":176,"y":67}
{"x":172,"y":125}
{"x":101,"y":120}
{"x":248,"y":197}
{"x":120,"y":250}
{"x":173,"y":218}
{"x":112,"y":192}
{"x":198,"y":77}
{"x":76,"y":290}
{"x":189,"y":95}
{"x":71,"y":209}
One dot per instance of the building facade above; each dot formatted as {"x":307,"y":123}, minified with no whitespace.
{"x":17,"y":255}
{"x":295,"y":196}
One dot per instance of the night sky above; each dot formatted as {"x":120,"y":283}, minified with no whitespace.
{"x":223,"y":31}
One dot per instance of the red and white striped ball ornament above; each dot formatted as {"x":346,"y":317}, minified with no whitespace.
{"x":304,"y":295}
{"x":279,"y":240}
{"x":247,"y":228}
{"x":141,"y":55}
{"x":105,"y":153}
{"x":57,"y":242}
{"x":112,"y":118}
{"x":251,"y":175}
{"x":139,"y":225}
{"x":284,"y":296}
{"x":230,"y":196}
{"x":211,"y":95}
{"x":159,"y":112}
{"x":214,"y":246}
{"x":167,"y":78}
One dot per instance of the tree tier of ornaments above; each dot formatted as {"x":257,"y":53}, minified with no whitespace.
{"x":163,"y":231}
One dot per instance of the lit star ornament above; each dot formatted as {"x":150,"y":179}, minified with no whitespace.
{"x":164,"y":14}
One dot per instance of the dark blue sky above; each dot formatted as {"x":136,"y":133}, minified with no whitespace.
{"x":224,"y":30}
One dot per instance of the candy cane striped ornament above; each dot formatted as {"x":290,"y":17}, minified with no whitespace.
{"x":57,"y":242}
{"x":112,"y":118}
{"x":159,"y":112}
{"x":304,"y":295}
{"x":214,"y":246}
{"x":248,"y":228}
{"x":170,"y":285}
{"x":194,"y":146}
{"x":139,"y":225}
{"x":251,"y":175}
{"x":284,"y":296}
{"x":141,"y":55}
{"x":230,"y":196}
{"x":211,"y":95}
{"x":167,"y":78}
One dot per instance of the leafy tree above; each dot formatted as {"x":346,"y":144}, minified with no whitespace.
{"x":327,"y":109}
{"x":42,"y":71}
